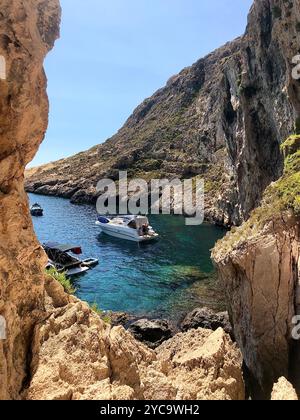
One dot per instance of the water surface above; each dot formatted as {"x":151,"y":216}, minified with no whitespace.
{"x":162,"y":279}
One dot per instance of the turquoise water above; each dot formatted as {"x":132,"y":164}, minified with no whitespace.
{"x":162,"y":279}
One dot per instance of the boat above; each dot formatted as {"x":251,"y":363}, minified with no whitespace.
{"x":36,"y":210}
{"x":131,"y":228}
{"x":61,"y":259}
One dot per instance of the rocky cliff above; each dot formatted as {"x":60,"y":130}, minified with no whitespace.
{"x":223,"y":118}
{"x":259,"y":264}
{"x":27,"y":32}
{"x":55,"y":346}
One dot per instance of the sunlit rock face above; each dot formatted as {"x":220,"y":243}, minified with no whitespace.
{"x":28,"y":30}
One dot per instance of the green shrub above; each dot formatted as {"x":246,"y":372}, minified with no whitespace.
{"x":103,"y":315}
{"x":281,"y":196}
{"x":63,"y":280}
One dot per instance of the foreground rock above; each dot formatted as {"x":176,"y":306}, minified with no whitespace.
{"x":206,"y":318}
{"x":284,"y":391}
{"x":77,"y":356}
{"x":119,"y":318}
{"x":151,"y":332}
{"x":208,"y":361}
{"x":28,"y":30}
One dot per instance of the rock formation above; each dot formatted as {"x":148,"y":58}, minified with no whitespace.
{"x":152,"y":332}
{"x":27,"y":32}
{"x":56,"y":347}
{"x":284,"y":391}
{"x":223,"y":118}
{"x":206,"y":318}
{"x":259,"y":264}
{"x":76,"y":356}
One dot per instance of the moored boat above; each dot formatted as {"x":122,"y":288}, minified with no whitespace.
{"x":36,"y":210}
{"x":131,"y":228}
{"x":60,"y":258}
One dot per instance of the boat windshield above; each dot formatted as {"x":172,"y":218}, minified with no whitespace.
{"x":132,"y":224}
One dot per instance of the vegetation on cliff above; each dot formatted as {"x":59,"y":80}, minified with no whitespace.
{"x":280,"y":198}
{"x":63,"y":280}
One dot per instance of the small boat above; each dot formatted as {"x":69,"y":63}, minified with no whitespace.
{"x":60,"y":258}
{"x":36,"y":210}
{"x":131,"y":228}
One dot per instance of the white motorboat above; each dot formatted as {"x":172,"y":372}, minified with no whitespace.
{"x":131,"y":228}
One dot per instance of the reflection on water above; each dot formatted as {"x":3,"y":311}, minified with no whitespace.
{"x":164,"y":278}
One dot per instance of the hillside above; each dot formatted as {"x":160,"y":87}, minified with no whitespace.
{"x":222,"y":118}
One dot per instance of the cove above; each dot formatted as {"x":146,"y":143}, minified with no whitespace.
{"x":163,"y":279}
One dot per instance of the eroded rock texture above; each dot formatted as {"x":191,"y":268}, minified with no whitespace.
{"x":27,"y":32}
{"x":223,"y":118}
{"x":260,"y":275}
{"x":284,"y":391}
{"x":77,"y":356}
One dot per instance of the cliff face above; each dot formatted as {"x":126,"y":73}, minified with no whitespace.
{"x":260,"y":276}
{"x":259,"y":264}
{"x":27,"y":32}
{"x":223,"y":118}
{"x":55,"y":346}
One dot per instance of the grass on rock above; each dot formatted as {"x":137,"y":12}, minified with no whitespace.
{"x":63,"y":280}
{"x":280,"y":197}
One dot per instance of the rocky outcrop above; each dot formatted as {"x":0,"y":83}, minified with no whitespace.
{"x":223,"y":118}
{"x":206,"y":318}
{"x":76,"y":356}
{"x":152,"y":332}
{"x":260,"y":277}
{"x":27,"y":32}
{"x":259,"y":264}
{"x":284,"y":391}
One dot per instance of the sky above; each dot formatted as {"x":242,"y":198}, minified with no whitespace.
{"x":113,"y":54}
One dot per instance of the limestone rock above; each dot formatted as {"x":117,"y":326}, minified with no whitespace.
{"x":28,"y":30}
{"x":120,"y":318}
{"x":207,"y":361}
{"x":151,"y":332}
{"x":76,"y":356}
{"x":284,"y":391}
{"x":207,"y":319}
{"x":259,"y":264}
{"x":260,"y":277}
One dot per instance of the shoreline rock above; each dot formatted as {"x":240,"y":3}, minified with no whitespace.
{"x":207,"y":319}
{"x":152,"y":332}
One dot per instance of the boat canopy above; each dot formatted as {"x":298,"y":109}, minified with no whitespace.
{"x":63,"y":247}
{"x":141,"y":221}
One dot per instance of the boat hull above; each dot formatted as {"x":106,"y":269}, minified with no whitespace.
{"x":37,"y":213}
{"x":121,"y":233}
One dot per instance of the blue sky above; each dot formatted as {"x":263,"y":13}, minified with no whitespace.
{"x":113,"y":54}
